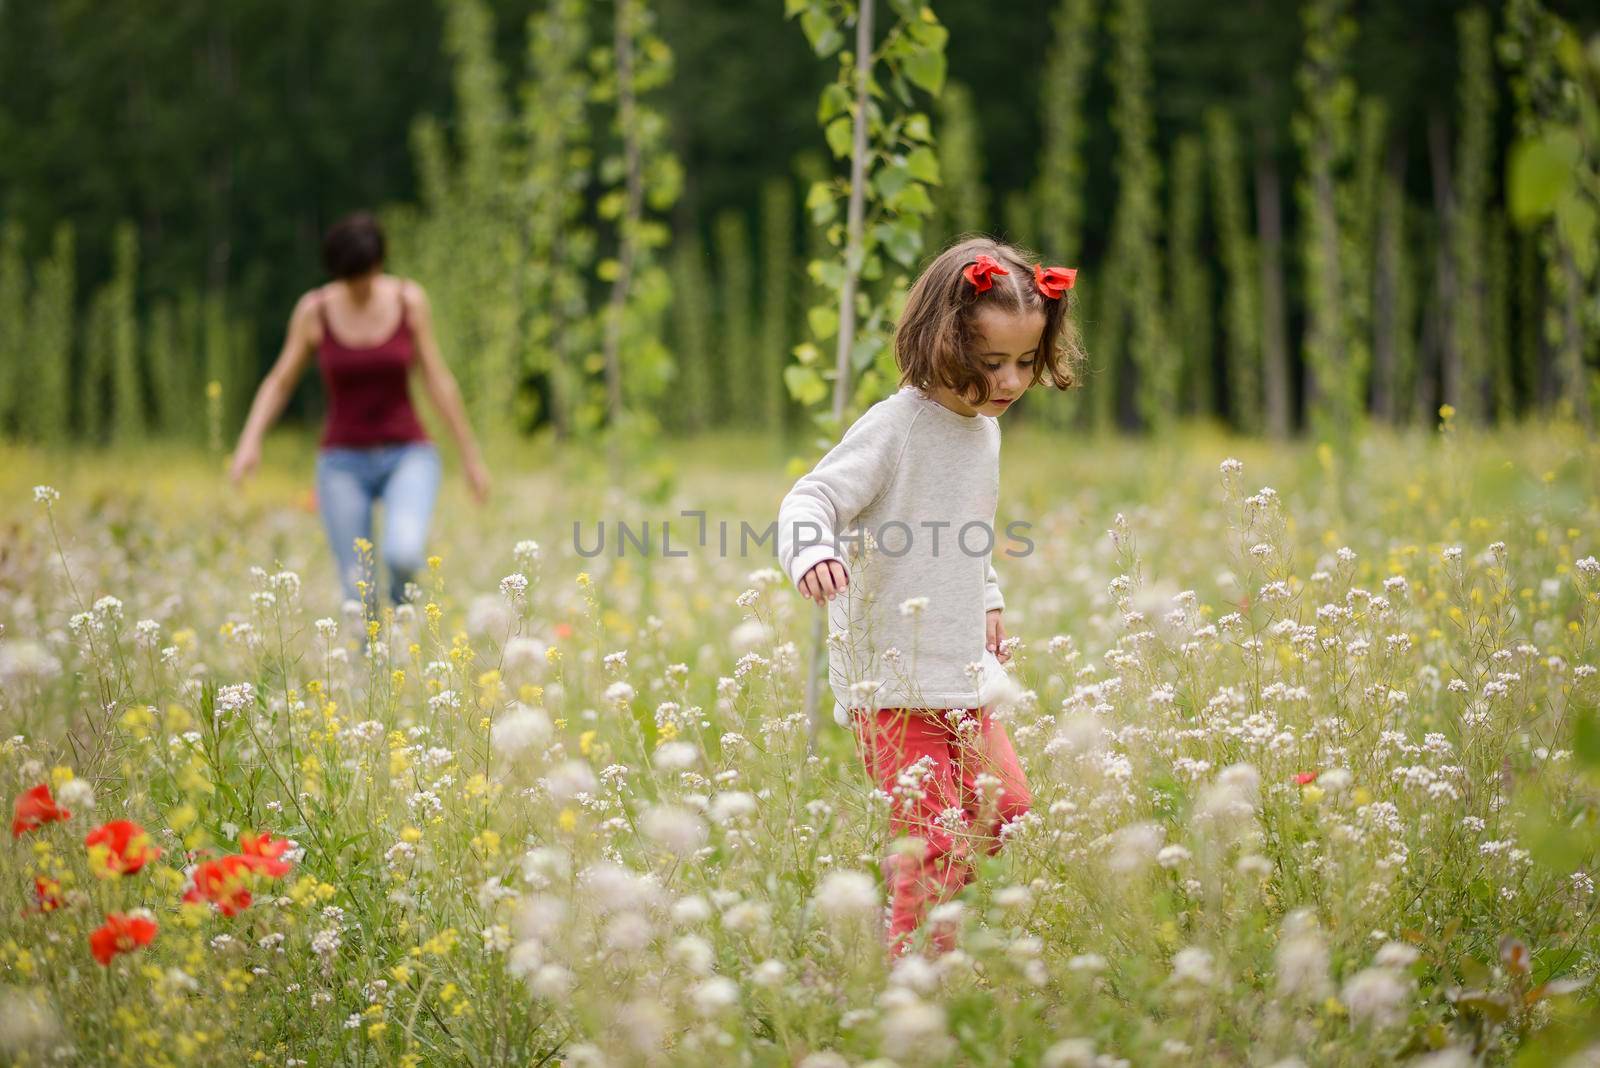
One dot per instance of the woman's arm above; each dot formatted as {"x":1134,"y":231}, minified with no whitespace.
{"x":443,"y":391}
{"x":276,"y":389}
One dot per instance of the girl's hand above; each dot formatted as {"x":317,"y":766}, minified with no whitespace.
{"x":995,"y":634}
{"x":825,"y":581}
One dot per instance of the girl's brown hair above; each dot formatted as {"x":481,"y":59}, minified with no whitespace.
{"x":936,"y":339}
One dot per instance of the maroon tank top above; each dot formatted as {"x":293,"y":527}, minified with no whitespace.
{"x":369,"y":402}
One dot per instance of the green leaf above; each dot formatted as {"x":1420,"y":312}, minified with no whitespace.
{"x":1494,"y":1007}
{"x":1586,"y":738}
{"x":805,"y":385}
{"x":923,"y":165}
{"x":890,"y":180}
{"x":830,"y":274}
{"x":902,"y":243}
{"x":930,"y":33}
{"x":1575,"y":222}
{"x":824,"y":322}
{"x":820,"y":30}
{"x":918,"y":128}
{"x":1539,"y":174}
{"x":913,"y":199}
{"x":926,"y":69}
{"x":839,"y":133}
{"x":1569,"y":52}
{"x":902,"y":90}
{"x":835,"y":100}
{"x":864,"y":351}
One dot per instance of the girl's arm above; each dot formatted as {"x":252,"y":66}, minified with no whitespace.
{"x":827,"y":499}
{"x":993,"y":605}
{"x":443,"y":391}
{"x":992,"y":601}
{"x":276,"y":389}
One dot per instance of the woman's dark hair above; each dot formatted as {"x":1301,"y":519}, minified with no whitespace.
{"x":353,"y":245}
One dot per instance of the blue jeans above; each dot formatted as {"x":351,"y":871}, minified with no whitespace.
{"x":405,"y":477}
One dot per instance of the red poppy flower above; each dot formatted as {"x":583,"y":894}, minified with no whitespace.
{"x":46,"y":894}
{"x":1054,"y":282}
{"x":224,"y":882}
{"x":33,"y":809}
{"x":262,"y":853}
{"x":563,"y":630}
{"x":120,"y":934}
{"x":981,"y":271}
{"x":1305,"y":778}
{"x":120,"y":847}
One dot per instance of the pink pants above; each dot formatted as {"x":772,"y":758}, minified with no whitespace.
{"x":930,"y":767}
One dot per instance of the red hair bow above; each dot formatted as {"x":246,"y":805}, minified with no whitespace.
{"x":981,"y":271}
{"x":1053,"y":282}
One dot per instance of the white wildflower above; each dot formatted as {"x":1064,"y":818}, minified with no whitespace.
{"x":1193,"y":964}
{"x":1301,"y":958}
{"x":714,"y":995}
{"x":674,"y":828}
{"x":1376,"y":996}
{"x":520,"y":729}
{"x":76,"y":794}
{"x":843,"y":895}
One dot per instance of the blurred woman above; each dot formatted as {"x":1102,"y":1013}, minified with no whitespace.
{"x":369,"y":330}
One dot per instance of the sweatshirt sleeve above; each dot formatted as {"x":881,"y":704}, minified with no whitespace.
{"x":827,"y":499}
{"x":991,"y":590}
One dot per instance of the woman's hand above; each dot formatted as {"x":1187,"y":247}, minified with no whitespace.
{"x":995,"y":635}
{"x":825,"y":581}
{"x":478,"y":480}
{"x":275,"y":389}
{"x":245,"y":460}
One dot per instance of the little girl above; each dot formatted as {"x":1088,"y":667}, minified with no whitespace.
{"x":916,"y":642}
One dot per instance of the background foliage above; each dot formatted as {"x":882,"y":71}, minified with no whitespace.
{"x":1278,"y":211}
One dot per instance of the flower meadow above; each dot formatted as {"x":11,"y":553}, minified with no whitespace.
{"x":1312,"y":744}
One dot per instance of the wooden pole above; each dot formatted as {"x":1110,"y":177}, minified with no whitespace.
{"x":854,"y":225}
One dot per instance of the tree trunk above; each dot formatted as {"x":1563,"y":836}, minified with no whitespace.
{"x":1386,"y":324}
{"x":1496,"y":275}
{"x":1327,"y":369}
{"x":1434,"y":328}
{"x":628,"y":224}
{"x":219,"y":180}
{"x":1450,"y":369}
{"x":1274,"y":327}
{"x":1574,"y":372}
{"x":1529,"y":343}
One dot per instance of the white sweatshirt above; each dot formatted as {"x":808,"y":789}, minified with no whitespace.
{"x":915,"y":485}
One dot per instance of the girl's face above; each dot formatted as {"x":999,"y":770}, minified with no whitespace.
{"x":1007,"y":347}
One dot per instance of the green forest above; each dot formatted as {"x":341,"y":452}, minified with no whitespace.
{"x":1286,"y":216}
